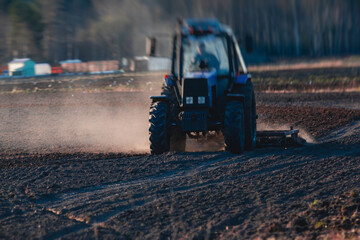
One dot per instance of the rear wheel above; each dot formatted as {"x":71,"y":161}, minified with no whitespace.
{"x":249,"y":114}
{"x":234,"y":132}
{"x":250,"y":123}
{"x":158,"y":128}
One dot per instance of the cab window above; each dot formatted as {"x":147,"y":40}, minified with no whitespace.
{"x":212,"y":49}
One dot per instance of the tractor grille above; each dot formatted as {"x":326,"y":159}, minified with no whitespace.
{"x":194,"y":121}
{"x":190,"y":115}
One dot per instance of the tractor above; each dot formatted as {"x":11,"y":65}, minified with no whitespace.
{"x":209,"y":90}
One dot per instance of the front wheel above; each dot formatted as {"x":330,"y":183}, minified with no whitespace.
{"x":158,"y":128}
{"x":234,"y":127}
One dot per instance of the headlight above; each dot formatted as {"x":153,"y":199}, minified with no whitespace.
{"x":201,"y":100}
{"x":189,"y":100}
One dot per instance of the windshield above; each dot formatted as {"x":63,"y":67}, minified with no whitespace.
{"x":205,"y":52}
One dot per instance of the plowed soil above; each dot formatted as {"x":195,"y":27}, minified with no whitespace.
{"x":76,"y":165}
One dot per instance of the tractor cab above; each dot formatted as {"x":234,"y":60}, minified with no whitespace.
{"x":209,"y":42}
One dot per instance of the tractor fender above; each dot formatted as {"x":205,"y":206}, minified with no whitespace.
{"x":235,"y":97}
{"x":162,"y":98}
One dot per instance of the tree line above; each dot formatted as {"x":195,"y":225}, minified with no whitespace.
{"x":51,"y":31}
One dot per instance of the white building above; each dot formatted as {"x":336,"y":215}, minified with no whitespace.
{"x":151,"y":64}
{"x":21,"y":67}
{"x":42,"y":69}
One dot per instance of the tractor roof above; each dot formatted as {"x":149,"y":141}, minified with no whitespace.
{"x":204,"y":26}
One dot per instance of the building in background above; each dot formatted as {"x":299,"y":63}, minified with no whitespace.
{"x":70,"y":61}
{"x":103,"y":66}
{"x":56,"y":70}
{"x":90,"y":67}
{"x":24,"y":67}
{"x":144,"y":64}
{"x":42,"y":69}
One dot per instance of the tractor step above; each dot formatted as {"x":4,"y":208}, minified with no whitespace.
{"x":276,"y":138}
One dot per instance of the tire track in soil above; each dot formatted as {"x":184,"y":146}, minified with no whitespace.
{"x":104,"y":194}
{"x":67,"y":204}
{"x":292,"y":165}
{"x":100,"y":194}
{"x":110,"y":189}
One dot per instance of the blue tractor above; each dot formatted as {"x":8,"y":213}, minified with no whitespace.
{"x":209,"y":90}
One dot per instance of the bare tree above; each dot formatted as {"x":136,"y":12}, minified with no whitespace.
{"x":112,"y":29}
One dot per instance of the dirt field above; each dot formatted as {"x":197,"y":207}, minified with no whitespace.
{"x":75,"y":164}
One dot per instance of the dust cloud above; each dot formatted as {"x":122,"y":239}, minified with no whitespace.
{"x":87,"y":122}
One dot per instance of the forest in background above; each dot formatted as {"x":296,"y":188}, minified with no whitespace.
{"x":51,"y":31}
